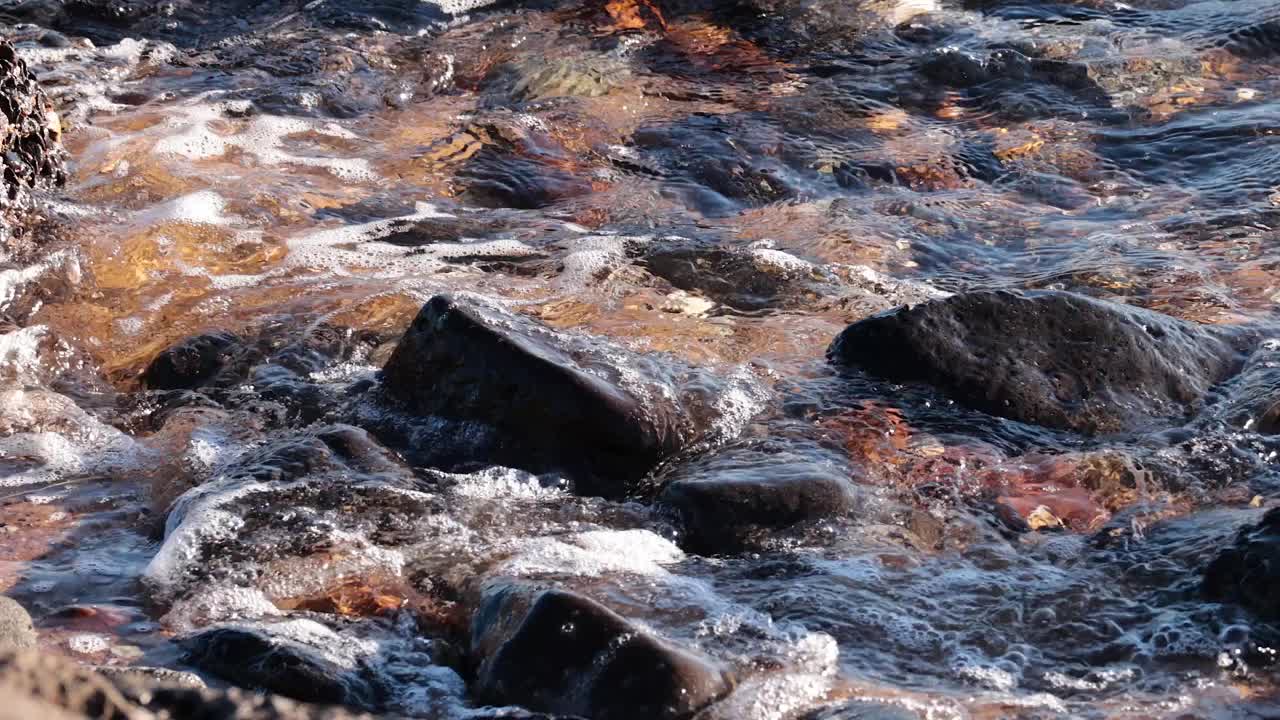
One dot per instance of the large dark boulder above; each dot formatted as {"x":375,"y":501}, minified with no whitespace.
{"x":1248,"y":572}
{"x":554,"y":402}
{"x":1055,"y":359}
{"x":555,"y":651}
{"x":29,"y":131}
{"x":726,"y":502}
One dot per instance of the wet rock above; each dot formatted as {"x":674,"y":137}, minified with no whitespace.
{"x":747,"y":279}
{"x":725,"y":502}
{"x":591,"y":76}
{"x":553,"y":402}
{"x":49,"y":687}
{"x":1252,"y":399}
{"x":29,"y":130}
{"x":16,"y":629}
{"x":714,"y":176}
{"x":1248,"y":572}
{"x":191,"y":363}
{"x":309,"y":510}
{"x":252,"y":659}
{"x":1050,"y":358}
{"x":559,"y":652}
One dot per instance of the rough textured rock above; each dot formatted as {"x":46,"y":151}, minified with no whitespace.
{"x":558,"y":652}
{"x":555,"y":402}
{"x":724,"y":502}
{"x":29,"y":130}
{"x":16,"y":630}
{"x":1248,"y":572}
{"x":191,"y":362}
{"x":748,"y":279}
{"x":254,"y":660}
{"x":49,"y":687}
{"x":1050,"y":358}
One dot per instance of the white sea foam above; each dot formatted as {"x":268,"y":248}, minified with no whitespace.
{"x":197,"y":133}
{"x":204,"y":207}
{"x":595,"y":553}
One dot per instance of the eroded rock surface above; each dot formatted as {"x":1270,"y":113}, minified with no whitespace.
{"x":30,"y":131}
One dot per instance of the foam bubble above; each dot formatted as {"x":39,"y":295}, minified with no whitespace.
{"x":196,"y":137}
{"x":88,"y":644}
{"x":459,"y":7}
{"x":218,"y":604}
{"x":205,"y":207}
{"x":51,"y":429}
{"x":595,"y":553}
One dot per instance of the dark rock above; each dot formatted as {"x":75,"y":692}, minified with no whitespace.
{"x":16,"y":629}
{"x":742,"y":279}
{"x":558,"y":652}
{"x":955,"y":68}
{"x":50,"y":687}
{"x":556,"y":402}
{"x":254,"y":660}
{"x":712,"y":176}
{"x":29,"y":131}
{"x":191,"y":363}
{"x":1050,"y":358}
{"x":1248,"y":572}
{"x":724,"y":502}
{"x":1252,"y":399}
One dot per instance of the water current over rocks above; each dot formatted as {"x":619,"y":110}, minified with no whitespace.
{"x":633,"y":359}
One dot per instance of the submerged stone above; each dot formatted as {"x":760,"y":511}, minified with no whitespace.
{"x":748,"y":279}
{"x":191,"y":362}
{"x":1248,"y":572}
{"x":1055,"y":359}
{"x":555,"y":402}
{"x":559,"y":652}
{"x":725,"y":502}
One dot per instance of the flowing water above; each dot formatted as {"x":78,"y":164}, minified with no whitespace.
{"x":306,"y":175}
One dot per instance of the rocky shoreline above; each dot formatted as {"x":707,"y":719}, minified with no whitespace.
{"x":548,"y":466}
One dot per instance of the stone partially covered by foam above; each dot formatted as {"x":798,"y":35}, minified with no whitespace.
{"x":372,"y":665}
{"x":268,"y":522}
